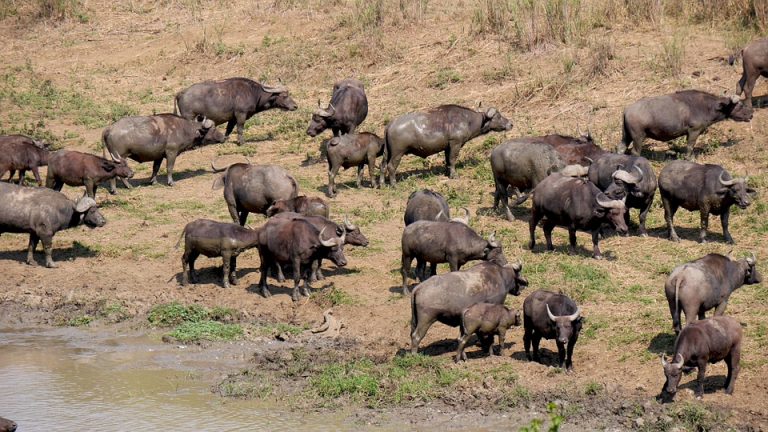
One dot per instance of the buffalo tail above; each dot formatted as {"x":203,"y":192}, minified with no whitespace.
{"x":178,"y":242}
{"x":677,"y":303}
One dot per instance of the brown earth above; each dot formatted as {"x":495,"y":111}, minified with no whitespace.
{"x":140,"y":53}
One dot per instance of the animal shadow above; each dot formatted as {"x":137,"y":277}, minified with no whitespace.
{"x":759,"y":101}
{"x":662,"y":343}
{"x":76,"y":250}
{"x":684,"y":233}
{"x":188,"y":174}
{"x":521,"y":214}
{"x":440,"y":347}
{"x":547,"y":357}
{"x":581,"y":250}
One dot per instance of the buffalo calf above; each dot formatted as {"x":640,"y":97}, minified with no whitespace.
{"x":550,"y":315}
{"x":74,"y":168}
{"x":21,"y":153}
{"x":486,"y":320}
{"x":352,"y":150}
{"x":754,"y":63}
{"x":308,"y":206}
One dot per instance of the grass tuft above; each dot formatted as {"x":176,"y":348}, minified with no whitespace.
{"x":206,"y":330}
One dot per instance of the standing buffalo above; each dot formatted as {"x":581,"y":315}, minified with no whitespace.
{"x":21,"y":153}
{"x":707,"y":283}
{"x":348,"y":108}
{"x":445,"y":128}
{"x":487,"y":320}
{"x":74,"y":168}
{"x":154,"y":138}
{"x":308,"y":206}
{"x":451,"y":242}
{"x":445,"y":297}
{"x":231,"y":101}
{"x":42,"y":213}
{"x":574,"y":204}
{"x":755,"y":64}
{"x":426,"y":205}
{"x":707,"y":188}
{"x":253,"y":188}
{"x":687,"y":112}
{"x":352,"y":150}
{"x":634,"y":177}
{"x":550,"y":315}
{"x":706,"y":341}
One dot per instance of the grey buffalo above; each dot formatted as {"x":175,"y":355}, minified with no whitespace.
{"x":486,"y":320}
{"x":707,"y":188}
{"x":21,"y":153}
{"x":444,"y":297}
{"x":74,"y":168}
{"x":426,"y":205}
{"x":42,"y":213}
{"x":231,"y":101}
{"x":308,"y":206}
{"x":685,"y":113}
{"x":705,"y":284}
{"x":754,"y":65}
{"x":555,"y":316}
{"x":348,"y":108}
{"x":445,"y":128}
{"x":352,"y":150}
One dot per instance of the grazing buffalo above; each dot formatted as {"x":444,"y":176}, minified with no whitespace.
{"x":755,"y":64}
{"x":74,"y":168}
{"x":702,"y":342}
{"x":154,"y":138}
{"x":308,"y":206}
{"x":299,"y":243}
{"x":707,"y":188}
{"x":550,"y":315}
{"x":445,"y":297}
{"x":21,"y":153}
{"x":42,"y":213}
{"x":486,"y":320}
{"x":425,"y":205}
{"x":253,"y":188}
{"x":7,"y":425}
{"x":231,"y":101}
{"x":451,"y":242}
{"x":574,"y":204}
{"x":445,"y":128}
{"x":707,"y":283}
{"x":687,"y":112}
{"x":348,"y":108}
{"x":214,"y":239}
{"x":352,"y":150}
{"x":631,"y":176}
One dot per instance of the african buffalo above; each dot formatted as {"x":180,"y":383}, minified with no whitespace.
{"x":707,"y":283}
{"x":706,"y":341}
{"x":634,"y":177}
{"x":708,"y":188}
{"x":550,"y":315}
{"x":451,"y":242}
{"x":22,"y":153}
{"x":74,"y":168}
{"x":574,"y":204}
{"x":687,"y":112}
{"x":253,"y":188}
{"x":348,"y":108}
{"x":426,"y":205}
{"x":42,"y":213}
{"x":445,"y":297}
{"x":487,"y":320}
{"x":7,"y":425}
{"x":231,"y":101}
{"x":308,"y":206}
{"x":352,"y":150}
{"x":154,"y":138}
{"x":755,"y":64}
{"x":445,"y":128}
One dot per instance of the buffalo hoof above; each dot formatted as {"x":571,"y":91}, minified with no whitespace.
{"x":51,"y":265}
{"x":112,"y":192}
{"x":730,"y":241}
{"x":675,"y":238}
{"x":265,"y":292}
{"x":305,"y":292}
{"x":406,"y":291}
{"x":644,"y":235}
{"x":295,"y":298}
{"x":598,"y":257}
{"x":170,"y":183}
{"x":457,"y":359}
{"x":32,"y":263}
{"x":226,"y":285}
{"x":233,"y":280}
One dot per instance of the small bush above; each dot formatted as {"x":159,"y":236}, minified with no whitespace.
{"x":445,"y":77}
{"x":206,"y":330}
{"x":350,"y":379}
{"x":593,"y":388}
{"x":171,"y":314}
{"x":80,"y":320}
{"x":58,"y":10}
{"x":670,"y":60}
{"x":601,"y":52}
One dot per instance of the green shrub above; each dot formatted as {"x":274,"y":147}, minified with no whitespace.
{"x":172,"y":314}
{"x":195,"y":331}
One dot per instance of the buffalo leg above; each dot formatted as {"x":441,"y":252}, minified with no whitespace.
{"x":360,"y":169}
{"x":230,"y":127}
{"x":22,"y":173}
{"x":561,"y":354}
{"x":502,"y":335}
{"x":572,"y":240}
{"x":569,"y":354}
{"x":240,"y":118}
{"x":548,"y":227}
{"x":418,"y":331}
{"x":371,"y":168}
{"x":33,"y":239}
{"x":90,"y":188}
{"x":454,"y":264}
{"x":732,"y":361}
{"x":155,"y":169}
{"x":527,"y":342}
{"x":296,"y":279}
{"x":48,"y":247}
{"x":279,"y":270}
{"x":318,"y":274}
{"x":595,"y":243}
{"x":233,"y":270}
{"x":432,"y":269}
{"x":720,"y":309}
{"x":50,"y":180}
{"x":502,"y":196}
{"x":36,"y":172}
{"x":637,"y":143}
{"x":462,"y":344}
{"x":748,"y":85}
{"x":264,"y":268}
{"x":691,"y":142}
{"x":404,"y":270}
{"x":225,"y":269}
{"x":58,"y":184}
{"x":170,"y":161}
{"x":724,"y":222}
{"x":532,"y":227}
{"x":670,"y":209}
{"x":332,"y":181}
{"x":699,"y":391}
{"x":306,"y":274}
{"x":704,"y":215}
{"x":242,"y":217}
{"x":643,"y":216}
{"x":185,"y":269}
{"x":394,"y":161}
{"x":535,"y":340}
{"x":191,"y":262}
{"x":674,"y":310}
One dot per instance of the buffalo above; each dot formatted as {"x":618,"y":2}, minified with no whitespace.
{"x":555,"y":316}
{"x":7,"y":425}
{"x":154,"y":138}
{"x":426,"y":205}
{"x":755,"y":64}
{"x":574,"y":204}
{"x":42,"y":213}
{"x":74,"y":168}
{"x":486,"y":320}
{"x":687,"y":112}
{"x":352,"y":150}
{"x":253,"y":188}
{"x":707,"y":188}
{"x":707,"y":283}
{"x":445,"y":297}
{"x":21,"y":153}
{"x":702,"y":342}
{"x":308,"y":206}
{"x":231,"y":101}
{"x":445,"y":128}
{"x":348,"y":108}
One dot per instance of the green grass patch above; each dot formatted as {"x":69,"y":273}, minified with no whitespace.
{"x":80,"y":320}
{"x":355,"y":379}
{"x":336,"y":296}
{"x":172,"y":314}
{"x":586,"y":280}
{"x":206,"y":330}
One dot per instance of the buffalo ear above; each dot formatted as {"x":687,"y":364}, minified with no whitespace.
{"x":751,"y":191}
{"x":218,"y":182}
{"x":108,"y":166}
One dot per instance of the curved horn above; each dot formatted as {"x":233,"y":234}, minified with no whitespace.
{"x":490,"y":113}
{"x":115,"y":157}
{"x":84,"y":203}
{"x":323,"y":113}
{"x":318,"y":103}
{"x":628,"y":177}
{"x":588,"y":160}
{"x":326,"y":243}
{"x":549,"y":312}
{"x":518,"y":265}
{"x":274,"y":89}
{"x":349,"y":225}
{"x":735,"y":99}
{"x":215,"y":168}
{"x":730,"y":255}
{"x":664,"y":361}
{"x":752,"y":259}
{"x":726,"y":182}
{"x":492,"y":240}
{"x":437,"y":218}
{"x":679,"y":364}
{"x":572,"y":317}
{"x":609,"y":203}
{"x":208,"y":123}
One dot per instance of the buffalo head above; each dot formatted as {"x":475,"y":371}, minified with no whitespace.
{"x":519,"y":281}
{"x":336,"y":245}
{"x":89,"y":213}
{"x":319,"y":121}
{"x":736,"y":189}
{"x":736,"y":110}
{"x":673,"y":373}
{"x":613,"y":211}
{"x":493,"y":252}
{"x":493,"y":120}
{"x":353,"y":235}
{"x":278,"y":98}
{"x":120,"y":168}
{"x":565,"y":325}
{"x":279,"y":206}
{"x":751,"y":275}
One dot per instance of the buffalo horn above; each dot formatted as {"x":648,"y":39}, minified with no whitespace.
{"x":735,"y":99}
{"x":439,"y":215}
{"x":465,"y":219}
{"x":752,"y":259}
{"x":208,"y":123}
{"x":663,"y":360}
{"x":84,"y":203}
{"x":588,"y":160}
{"x":627,"y":177}
{"x":574,"y":315}
{"x":274,"y":89}
{"x":490,"y":113}
{"x":549,"y":312}
{"x":326,"y":243}
{"x":679,"y":364}
{"x":518,"y":265}
{"x":115,"y":157}
{"x":610,"y":203}
{"x":349,"y":225}
{"x":215,"y":168}
{"x":492,"y":240}
{"x":728,"y":182}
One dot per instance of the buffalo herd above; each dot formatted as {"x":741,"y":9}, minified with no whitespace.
{"x":574,"y":183}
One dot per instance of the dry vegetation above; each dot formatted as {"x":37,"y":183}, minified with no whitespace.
{"x":72,"y":67}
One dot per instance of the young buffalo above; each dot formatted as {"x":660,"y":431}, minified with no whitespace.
{"x":74,"y":168}
{"x":486,"y":320}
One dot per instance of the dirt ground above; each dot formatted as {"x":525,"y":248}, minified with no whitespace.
{"x":139,"y":53}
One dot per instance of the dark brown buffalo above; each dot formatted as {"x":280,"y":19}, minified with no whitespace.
{"x":754,"y":64}
{"x":7,"y":425}
{"x":214,"y":239}
{"x":154,"y":138}
{"x":687,"y":112}
{"x":702,"y":342}
{"x":22,"y":153}
{"x":486,"y":320}
{"x":352,"y":150}
{"x":42,"y":213}
{"x":231,"y":101}
{"x":707,"y":188}
{"x":445,"y":128}
{"x":707,"y":283}
{"x":74,"y":168}
{"x":348,"y":108}
{"x":574,"y":204}
{"x":308,"y":206}
{"x":575,"y":151}
{"x":551,"y":315}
